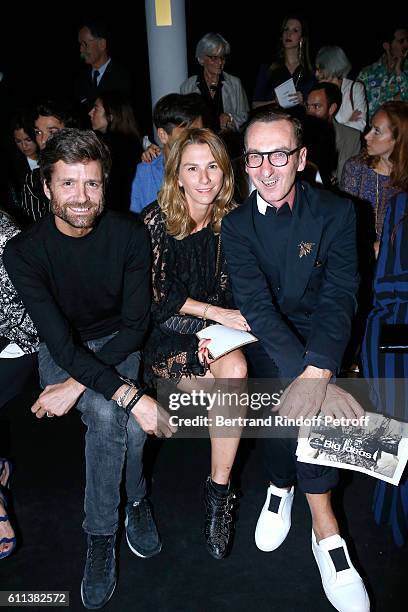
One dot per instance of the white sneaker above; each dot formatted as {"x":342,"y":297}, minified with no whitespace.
{"x":342,"y":583}
{"x":274,"y":521}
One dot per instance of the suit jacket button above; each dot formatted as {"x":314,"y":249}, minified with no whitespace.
{"x":277,"y":288}
{"x":308,"y":314}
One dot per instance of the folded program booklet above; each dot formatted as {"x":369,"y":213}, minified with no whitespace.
{"x":282,"y":93}
{"x":224,"y":339}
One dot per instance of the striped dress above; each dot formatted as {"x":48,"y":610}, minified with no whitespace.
{"x":390,"y":306}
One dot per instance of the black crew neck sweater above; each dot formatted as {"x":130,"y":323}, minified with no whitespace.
{"x":79,"y":289}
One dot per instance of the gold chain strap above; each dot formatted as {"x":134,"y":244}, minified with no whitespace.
{"x":376,"y":203}
{"x":217,"y":269}
{"x":217,"y":265}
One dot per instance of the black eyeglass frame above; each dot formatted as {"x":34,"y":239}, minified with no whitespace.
{"x":269,"y":153}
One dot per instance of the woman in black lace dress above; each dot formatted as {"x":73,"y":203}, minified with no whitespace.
{"x":190,"y":278}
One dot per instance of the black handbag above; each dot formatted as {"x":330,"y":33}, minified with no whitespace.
{"x":183,"y":324}
{"x":394,"y":338}
{"x":189,"y":324}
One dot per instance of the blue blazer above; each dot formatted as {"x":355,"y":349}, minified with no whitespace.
{"x":305,"y":320}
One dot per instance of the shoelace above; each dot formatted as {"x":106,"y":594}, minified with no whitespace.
{"x":98,"y":554}
{"x":140,"y":513}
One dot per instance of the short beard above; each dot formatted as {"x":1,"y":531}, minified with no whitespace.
{"x":85,"y":221}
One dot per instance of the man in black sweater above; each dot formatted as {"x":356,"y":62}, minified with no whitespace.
{"x":84,"y":276}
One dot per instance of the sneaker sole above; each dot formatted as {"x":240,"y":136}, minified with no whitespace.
{"x":136,"y":552}
{"x":139,"y":554}
{"x":100,"y":606}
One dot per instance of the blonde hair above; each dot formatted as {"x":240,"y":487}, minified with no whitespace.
{"x":171,"y":198}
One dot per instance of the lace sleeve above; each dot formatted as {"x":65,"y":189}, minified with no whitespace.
{"x":169,"y":294}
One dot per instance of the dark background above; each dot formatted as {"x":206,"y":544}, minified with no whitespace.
{"x":39,"y":53}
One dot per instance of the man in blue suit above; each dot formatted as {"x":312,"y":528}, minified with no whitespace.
{"x":291,"y":253}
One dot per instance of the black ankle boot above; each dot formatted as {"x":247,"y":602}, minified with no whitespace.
{"x":219,"y":522}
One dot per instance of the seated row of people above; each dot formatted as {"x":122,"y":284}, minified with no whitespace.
{"x":198,"y":250}
{"x":90,"y":356}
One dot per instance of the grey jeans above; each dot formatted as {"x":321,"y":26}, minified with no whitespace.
{"x":113,"y":441}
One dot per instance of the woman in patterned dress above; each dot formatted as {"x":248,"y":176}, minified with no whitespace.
{"x":18,"y":346}
{"x":370,"y":176}
{"x":371,"y":179}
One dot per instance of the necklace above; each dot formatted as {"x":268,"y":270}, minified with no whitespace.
{"x":212,"y":87}
{"x":376,"y":201}
{"x":212,"y":83}
{"x":297,"y":78}
{"x":376,"y":198}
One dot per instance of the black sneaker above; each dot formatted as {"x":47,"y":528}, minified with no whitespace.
{"x":219,"y":520}
{"x":99,"y":579}
{"x":141,"y":530}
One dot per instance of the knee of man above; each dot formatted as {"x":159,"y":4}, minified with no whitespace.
{"x":98,"y":411}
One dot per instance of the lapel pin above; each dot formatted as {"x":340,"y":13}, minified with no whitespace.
{"x":305,"y":248}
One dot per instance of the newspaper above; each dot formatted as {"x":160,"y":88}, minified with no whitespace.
{"x":379,"y":448}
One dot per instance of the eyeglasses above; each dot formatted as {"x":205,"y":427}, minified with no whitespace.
{"x":275,"y":158}
{"x":316,"y":106}
{"x":215,"y":58}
